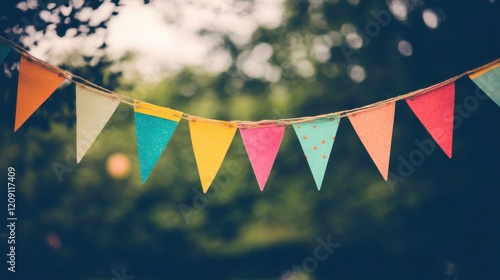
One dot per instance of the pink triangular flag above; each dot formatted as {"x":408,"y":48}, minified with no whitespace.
{"x":374,"y":128}
{"x":262,"y":145}
{"x":435,"y":110}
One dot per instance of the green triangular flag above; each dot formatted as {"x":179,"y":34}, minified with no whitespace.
{"x":488,"y":80}
{"x":4,"y":51}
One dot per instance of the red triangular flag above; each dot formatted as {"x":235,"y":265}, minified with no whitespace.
{"x":374,"y":128}
{"x":435,"y":110}
{"x":36,"y":83}
{"x":262,"y":145}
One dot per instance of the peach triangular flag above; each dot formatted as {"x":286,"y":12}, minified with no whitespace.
{"x":211,"y":140}
{"x":36,"y":83}
{"x":374,"y":128}
{"x":435,"y":110}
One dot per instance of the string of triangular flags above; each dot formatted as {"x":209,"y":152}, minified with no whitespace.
{"x":211,"y":139}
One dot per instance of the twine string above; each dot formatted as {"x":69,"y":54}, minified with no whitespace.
{"x":80,"y":81}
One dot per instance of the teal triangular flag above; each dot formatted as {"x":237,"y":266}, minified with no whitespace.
{"x":317,"y":138}
{"x":489,"y":82}
{"x":4,"y":51}
{"x":153,"y":134}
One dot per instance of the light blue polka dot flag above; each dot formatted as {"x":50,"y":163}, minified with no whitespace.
{"x":317,"y":138}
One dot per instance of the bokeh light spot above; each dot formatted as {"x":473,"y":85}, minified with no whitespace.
{"x":430,"y":18}
{"x":118,"y":166}
{"x":405,"y":48}
{"x":53,"y":240}
{"x":356,"y":73}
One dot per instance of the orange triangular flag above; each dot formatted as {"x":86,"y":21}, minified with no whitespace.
{"x":211,"y":140}
{"x":36,"y":83}
{"x":374,"y":128}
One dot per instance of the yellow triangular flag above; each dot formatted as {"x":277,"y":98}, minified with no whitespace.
{"x":211,"y":140}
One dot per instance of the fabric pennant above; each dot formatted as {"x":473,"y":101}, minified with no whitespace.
{"x":488,"y":80}
{"x":435,"y":110}
{"x":374,"y":128}
{"x":211,"y":140}
{"x":262,"y":145}
{"x":154,"y":126}
{"x":317,"y":138}
{"x":35,"y":85}
{"x":93,"y":110}
{"x":4,"y":51}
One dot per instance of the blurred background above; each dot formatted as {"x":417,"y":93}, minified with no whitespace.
{"x":435,"y":218}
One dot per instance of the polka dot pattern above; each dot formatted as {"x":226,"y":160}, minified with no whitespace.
{"x":317,"y":138}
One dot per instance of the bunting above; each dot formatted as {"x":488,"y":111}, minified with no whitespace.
{"x":36,"y":83}
{"x":374,"y":128}
{"x":317,"y":138}
{"x":262,"y":145}
{"x":154,"y":126}
{"x":93,"y":110}
{"x":211,"y":140}
{"x":488,"y":80}
{"x":435,"y":110}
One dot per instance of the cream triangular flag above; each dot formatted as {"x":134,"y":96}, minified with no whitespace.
{"x":93,"y":110}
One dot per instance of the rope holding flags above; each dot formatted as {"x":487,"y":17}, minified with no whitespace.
{"x":211,"y":139}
